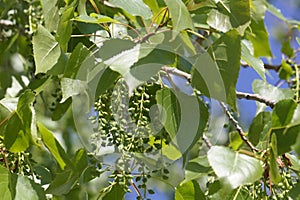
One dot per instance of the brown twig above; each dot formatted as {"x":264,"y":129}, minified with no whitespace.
{"x":255,"y":97}
{"x":266,"y":66}
{"x":135,"y":188}
{"x":238,"y":128}
{"x":206,"y":141}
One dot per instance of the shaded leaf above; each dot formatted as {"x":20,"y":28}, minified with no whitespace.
{"x":227,"y":53}
{"x":116,"y":192}
{"x":64,"y":29}
{"x":233,"y":168}
{"x":79,"y":54}
{"x":259,"y":127}
{"x":197,"y":168}
{"x":286,"y":137}
{"x":274,"y":172}
{"x":283,"y":112}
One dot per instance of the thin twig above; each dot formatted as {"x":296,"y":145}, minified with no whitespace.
{"x":248,"y":96}
{"x":240,"y":95}
{"x":266,"y":66}
{"x":238,"y":128}
{"x":206,"y":141}
{"x":135,"y":188}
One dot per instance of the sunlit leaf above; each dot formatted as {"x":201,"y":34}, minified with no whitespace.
{"x":270,"y":92}
{"x":189,"y":191}
{"x":17,"y":134}
{"x":180,"y":16}
{"x":51,"y":14}
{"x":252,"y":61}
{"x":54,"y":147}
{"x":46,"y":50}
{"x":234,"y":169}
{"x":95,"y":19}
{"x":134,"y":7}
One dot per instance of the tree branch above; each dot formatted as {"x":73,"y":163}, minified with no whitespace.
{"x":238,"y":128}
{"x":240,"y":95}
{"x":255,"y":97}
{"x":266,"y":66}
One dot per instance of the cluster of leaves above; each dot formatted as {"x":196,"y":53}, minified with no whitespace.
{"x":194,"y":48}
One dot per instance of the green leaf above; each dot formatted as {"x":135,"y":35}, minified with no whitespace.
{"x":61,"y":109}
{"x":287,"y":49}
{"x":64,"y":29}
{"x":228,"y":15}
{"x":285,"y":71}
{"x":235,"y":140}
{"x":295,"y":192}
{"x":185,"y":120}
{"x":233,"y":168}
{"x":189,"y":191}
{"x":219,"y":21}
{"x":95,"y":19}
{"x":63,"y":182}
{"x":256,"y":63}
{"x":27,"y":189}
{"x":181,"y":18}
{"x":227,"y":53}
{"x":72,"y":87}
{"x":270,"y":92}
{"x":259,"y":38}
{"x":283,"y":112}
{"x":197,"y":168}
{"x":4,"y":182}
{"x":259,"y":127}
{"x":134,"y":7}
{"x":295,"y":162}
{"x":17,"y":134}
{"x":167,"y":99}
{"x":116,"y":192}
{"x":54,"y":147}
{"x":207,"y":78}
{"x":46,"y":50}
{"x":15,"y":186}
{"x":286,"y":138}
{"x":51,"y":14}
{"x":274,"y":172}
{"x":79,"y":54}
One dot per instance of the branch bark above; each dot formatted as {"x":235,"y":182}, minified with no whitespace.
{"x":238,"y":128}
{"x":255,"y":97}
{"x":240,"y":95}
